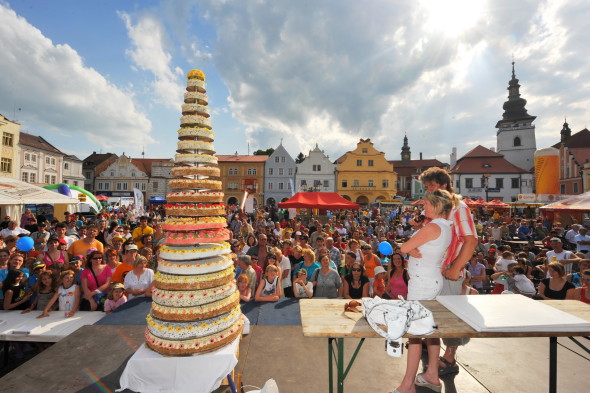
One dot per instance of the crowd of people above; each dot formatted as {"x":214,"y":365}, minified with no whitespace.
{"x":442,"y":248}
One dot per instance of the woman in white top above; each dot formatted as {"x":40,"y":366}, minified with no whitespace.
{"x":426,"y":282}
{"x":138,"y":282}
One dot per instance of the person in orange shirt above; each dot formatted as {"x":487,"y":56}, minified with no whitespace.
{"x":131,"y":252}
{"x":81,"y":247}
{"x":371,"y":261}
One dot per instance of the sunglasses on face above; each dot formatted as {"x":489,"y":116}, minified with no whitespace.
{"x":356,"y":269}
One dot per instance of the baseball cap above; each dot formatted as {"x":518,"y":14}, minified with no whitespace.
{"x":132,"y":247}
{"x":379,"y":269}
{"x":76,"y":258}
{"x":556,"y":239}
{"x":118,"y":285}
{"x":38,"y":264}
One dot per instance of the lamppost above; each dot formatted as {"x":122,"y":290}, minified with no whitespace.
{"x":485,"y":183}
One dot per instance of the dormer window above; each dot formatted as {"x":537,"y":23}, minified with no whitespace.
{"x":486,"y":166}
{"x":517,"y":141}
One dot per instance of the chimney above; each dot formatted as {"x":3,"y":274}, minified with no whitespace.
{"x":420,"y":156}
{"x":453,"y":157}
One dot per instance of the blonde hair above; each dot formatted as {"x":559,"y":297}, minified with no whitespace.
{"x":298,"y":248}
{"x":272,"y":268}
{"x":138,"y":260}
{"x":276,"y":252}
{"x":309,"y":253}
{"x":442,"y":201}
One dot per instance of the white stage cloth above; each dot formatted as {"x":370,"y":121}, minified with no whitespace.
{"x":149,"y":372}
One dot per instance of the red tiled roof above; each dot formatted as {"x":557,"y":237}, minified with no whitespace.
{"x":145,"y":164}
{"x":37,"y":142}
{"x":579,"y":139}
{"x":240,"y":158}
{"x":415,"y":167}
{"x":98,"y":158}
{"x":581,"y":154}
{"x":482,"y":160}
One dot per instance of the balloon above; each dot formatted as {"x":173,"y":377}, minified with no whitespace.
{"x":64,"y":190}
{"x":385,"y":248}
{"x":25,"y":244}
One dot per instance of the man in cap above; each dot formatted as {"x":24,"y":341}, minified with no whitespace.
{"x":40,"y":237}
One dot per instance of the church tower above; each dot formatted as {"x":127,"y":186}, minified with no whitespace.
{"x":406,"y":154}
{"x":566,"y":132}
{"x":516,"y":132}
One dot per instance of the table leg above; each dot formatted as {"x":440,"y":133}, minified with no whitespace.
{"x":340,"y":365}
{"x":330,"y":375}
{"x":552,"y":364}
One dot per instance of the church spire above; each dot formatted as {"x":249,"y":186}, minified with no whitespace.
{"x":566,"y":132}
{"x":406,"y":154}
{"x":514,"y":108}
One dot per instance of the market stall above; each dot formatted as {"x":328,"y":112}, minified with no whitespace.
{"x":575,"y":209}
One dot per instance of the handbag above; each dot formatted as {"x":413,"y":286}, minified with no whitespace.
{"x":400,"y":316}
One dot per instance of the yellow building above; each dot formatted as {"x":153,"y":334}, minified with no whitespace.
{"x":364,"y":175}
{"x":9,"y":162}
{"x":240,"y":173}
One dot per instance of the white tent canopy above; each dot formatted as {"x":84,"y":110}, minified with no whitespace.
{"x":14,"y":194}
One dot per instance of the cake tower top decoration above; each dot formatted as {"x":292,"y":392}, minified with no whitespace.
{"x":196,"y":305}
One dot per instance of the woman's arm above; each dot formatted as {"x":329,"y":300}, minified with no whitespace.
{"x":366,"y":289}
{"x":8,"y":297}
{"x":570,"y":294}
{"x":541,"y":291}
{"x":345,"y":290}
{"x":429,"y":232}
{"x":31,"y":307}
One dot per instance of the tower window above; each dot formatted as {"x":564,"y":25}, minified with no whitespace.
{"x":517,"y":141}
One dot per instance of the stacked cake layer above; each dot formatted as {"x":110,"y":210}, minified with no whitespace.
{"x":196,"y":306}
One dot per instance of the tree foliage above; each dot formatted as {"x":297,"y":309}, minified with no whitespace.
{"x":266,"y":152}
{"x":299,"y":159}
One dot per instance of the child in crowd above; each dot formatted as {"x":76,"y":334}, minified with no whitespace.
{"x":269,"y":289}
{"x":302,"y":288}
{"x":56,"y":269}
{"x":68,"y":295}
{"x":45,"y":290}
{"x":244,"y":288}
{"x":37,"y":268}
{"x":15,"y":295}
{"x":379,"y":282}
{"x":115,"y":298}
{"x":75,"y":265}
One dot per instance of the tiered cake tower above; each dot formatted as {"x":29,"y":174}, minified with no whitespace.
{"x":196,"y":305}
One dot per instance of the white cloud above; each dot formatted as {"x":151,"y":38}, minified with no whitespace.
{"x":57,"y":91}
{"x":148,"y":53}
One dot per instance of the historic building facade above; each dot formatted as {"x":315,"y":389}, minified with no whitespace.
{"x":9,"y":156}
{"x":316,"y":172}
{"x":483,"y":173}
{"x":364,"y":176}
{"x":279,"y":174}
{"x":408,"y":171}
{"x":93,"y":164}
{"x":41,"y":163}
{"x":574,"y":155}
{"x":241,"y":174}
{"x":72,"y":172}
{"x":120,"y":178}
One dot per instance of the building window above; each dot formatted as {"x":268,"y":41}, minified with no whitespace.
{"x":88,"y":175}
{"x":232,"y":186}
{"x":562,"y":188}
{"x":359,"y":162}
{"x":155,"y":186}
{"x":355,"y":183}
{"x":468,"y":182}
{"x":66,"y":166}
{"x":385,"y":183}
{"x":269,"y":185}
{"x":6,"y":165}
{"x":344,"y":183}
{"x":47,"y":160}
{"x":499,"y":183}
{"x":34,"y":157}
{"x":7,"y":139}
{"x":27,"y":157}
{"x":53,"y":161}
{"x":514,"y":182}
{"x":252,"y":171}
{"x":119,"y":186}
{"x":283,"y":159}
{"x":32,"y":177}
{"x":575,"y":188}
{"x":233,"y":171}
{"x":53,"y":179}
{"x":289,"y":186}
{"x":326,"y":183}
{"x":517,"y":141}
{"x":112,"y":174}
{"x":143,"y":186}
{"x":290,"y":171}
{"x":65,"y":182}
{"x":100,"y":186}
{"x":303,"y":182}
{"x":25,"y":177}
{"x":270,"y":171}
{"x":281,"y":171}
{"x":370,"y":162}
{"x":365,"y":150}
{"x":281,"y":186}
{"x":277,"y":159}
{"x":47,"y":179}
{"x":371,"y":184}
{"x":132,"y":174}
{"x":125,"y":186}
{"x":136,"y":185}
{"x":75,"y":182}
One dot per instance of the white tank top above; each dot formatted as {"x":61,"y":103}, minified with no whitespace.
{"x":433,"y":252}
{"x":66,"y":297}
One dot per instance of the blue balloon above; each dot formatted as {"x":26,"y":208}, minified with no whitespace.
{"x":64,"y":190}
{"x":385,"y":248}
{"x":25,"y":244}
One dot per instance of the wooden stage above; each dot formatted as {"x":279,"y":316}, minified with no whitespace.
{"x":94,"y":357}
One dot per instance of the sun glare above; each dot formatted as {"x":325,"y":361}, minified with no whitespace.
{"x":452,"y":17}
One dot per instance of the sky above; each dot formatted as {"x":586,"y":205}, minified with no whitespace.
{"x":109,"y":76}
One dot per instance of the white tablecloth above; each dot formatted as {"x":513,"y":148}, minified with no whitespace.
{"x":50,"y":329}
{"x":149,"y":372}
